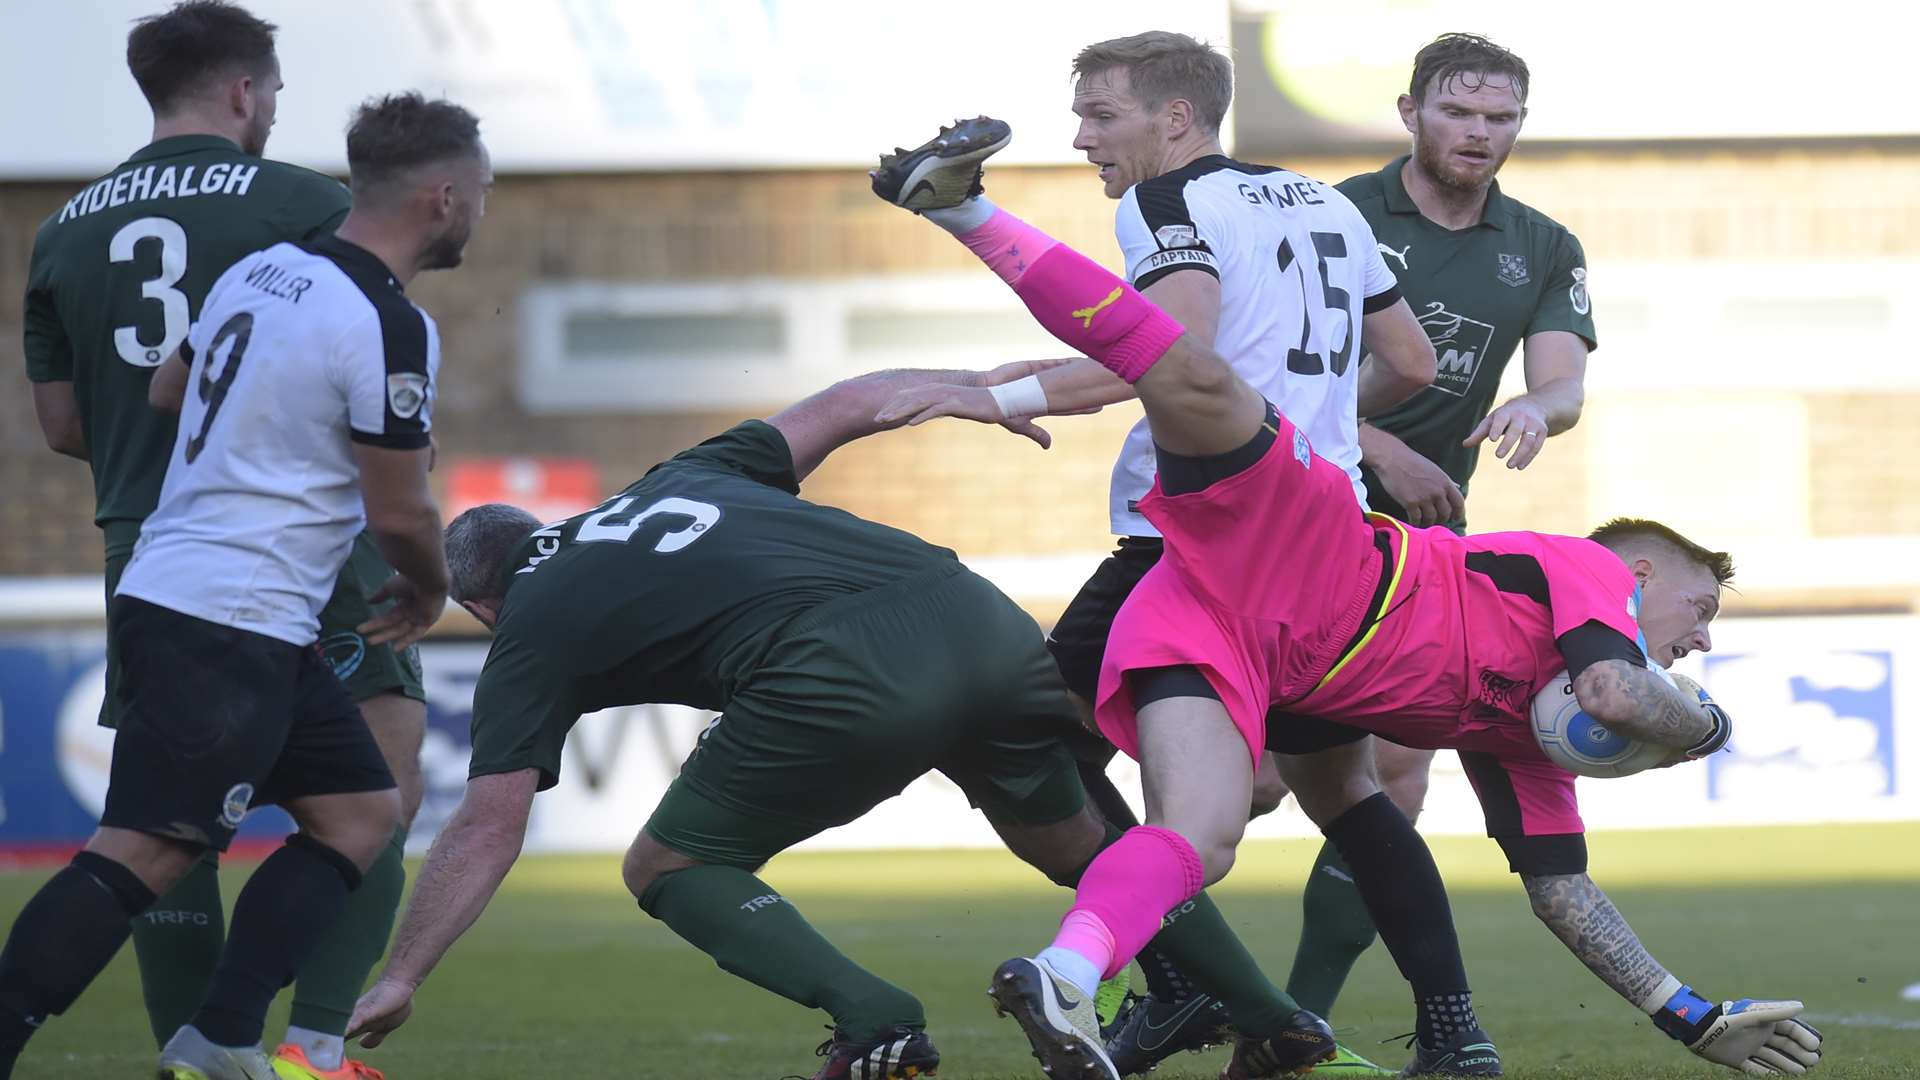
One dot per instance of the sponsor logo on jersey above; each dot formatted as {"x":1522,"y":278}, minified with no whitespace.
{"x":406,"y":392}
{"x":1399,"y":256}
{"x":1513,"y":270}
{"x":1176,"y":236}
{"x":1459,"y":344}
{"x":234,"y":808}
{"x":1577,"y":293}
{"x":1086,"y":314}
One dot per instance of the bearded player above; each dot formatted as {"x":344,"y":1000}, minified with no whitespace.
{"x":1279,"y":610}
{"x":118,"y":275}
{"x":1489,"y":277}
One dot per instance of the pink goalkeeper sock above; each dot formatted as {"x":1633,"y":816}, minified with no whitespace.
{"x":1087,"y":934}
{"x":1075,"y":298}
{"x":1007,"y":245}
{"x":1095,"y":313}
{"x":1125,"y":893}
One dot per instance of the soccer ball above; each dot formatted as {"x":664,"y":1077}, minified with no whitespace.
{"x":1580,"y":744}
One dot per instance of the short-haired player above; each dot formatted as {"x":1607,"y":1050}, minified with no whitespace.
{"x":1280,"y":613}
{"x":307,"y":420}
{"x":847,"y":659}
{"x":118,"y":275}
{"x":1488,"y":276}
{"x":1281,"y":276}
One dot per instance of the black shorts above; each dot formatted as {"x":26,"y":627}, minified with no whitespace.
{"x":368,"y":670}
{"x":1288,"y":733}
{"x":1079,"y":640}
{"x":215,"y":719}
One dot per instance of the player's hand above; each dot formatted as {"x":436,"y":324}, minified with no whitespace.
{"x":384,"y":1007}
{"x":1020,"y":369}
{"x":413,"y":613}
{"x":923,"y":403}
{"x":1520,"y":428}
{"x":1423,"y":489}
{"x":1760,"y":1038}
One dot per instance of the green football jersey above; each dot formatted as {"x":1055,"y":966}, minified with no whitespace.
{"x":1479,"y":292}
{"x":672,"y":591}
{"x":120,"y":272}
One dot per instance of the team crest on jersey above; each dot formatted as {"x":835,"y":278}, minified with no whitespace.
{"x":1176,"y":236}
{"x":1578,"y":291}
{"x":1513,"y":270}
{"x":342,"y":652}
{"x":233,"y":809}
{"x":1302,"y":453}
{"x":1459,"y":346}
{"x":406,"y":392}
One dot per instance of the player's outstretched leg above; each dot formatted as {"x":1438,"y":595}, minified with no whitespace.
{"x":753,"y":932}
{"x":1195,"y":404}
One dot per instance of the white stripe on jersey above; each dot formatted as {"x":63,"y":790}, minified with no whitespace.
{"x":300,"y":351}
{"x":1296,"y":263}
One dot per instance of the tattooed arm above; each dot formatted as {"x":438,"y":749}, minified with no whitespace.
{"x":1636,"y":702}
{"x":1581,"y":916}
{"x":1761,"y":1037}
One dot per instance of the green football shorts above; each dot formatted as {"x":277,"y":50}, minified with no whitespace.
{"x":861,"y":697}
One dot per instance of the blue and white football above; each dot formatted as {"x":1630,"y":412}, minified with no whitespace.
{"x":1580,"y":744}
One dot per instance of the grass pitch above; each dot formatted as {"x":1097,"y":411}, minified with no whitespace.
{"x":565,"y":977}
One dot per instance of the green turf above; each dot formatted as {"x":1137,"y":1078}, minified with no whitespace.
{"x":564,"y":977}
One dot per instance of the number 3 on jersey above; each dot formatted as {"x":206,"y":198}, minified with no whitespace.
{"x":174,"y":314}
{"x":1301,"y":361}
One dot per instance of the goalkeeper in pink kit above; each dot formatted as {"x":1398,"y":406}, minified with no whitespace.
{"x":1283,"y":618}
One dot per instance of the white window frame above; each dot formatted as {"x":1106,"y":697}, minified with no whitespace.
{"x":1691,"y":344}
{"x":815,"y":317}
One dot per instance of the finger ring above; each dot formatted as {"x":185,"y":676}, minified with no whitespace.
{"x":1529,"y":433}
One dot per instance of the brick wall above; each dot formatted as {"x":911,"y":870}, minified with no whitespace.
{"x":977,"y":489}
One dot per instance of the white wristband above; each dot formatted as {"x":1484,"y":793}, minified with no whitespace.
{"x":1020,"y":398}
{"x":1663,"y":994}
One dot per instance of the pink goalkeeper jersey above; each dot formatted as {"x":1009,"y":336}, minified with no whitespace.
{"x":1269,"y":587}
{"x":1457,"y":663}
{"x":1470,"y":634}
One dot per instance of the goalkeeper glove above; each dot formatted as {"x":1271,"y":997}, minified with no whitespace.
{"x":1760,"y":1038}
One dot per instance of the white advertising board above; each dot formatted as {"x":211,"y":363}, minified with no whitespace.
{"x":1827,"y":714}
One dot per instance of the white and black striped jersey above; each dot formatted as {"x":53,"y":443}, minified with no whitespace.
{"x":1297,"y":266}
{"x":300,"y":351}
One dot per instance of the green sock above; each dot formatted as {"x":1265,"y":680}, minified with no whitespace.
{"x":1198,"y":941}
{"x":178,"y":942}
{"x":336,"y":970}
{"x":753,"y":932}
{"x":1335,"y":930}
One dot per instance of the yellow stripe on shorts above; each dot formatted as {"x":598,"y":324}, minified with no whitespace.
{"x":1386,"y":601}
